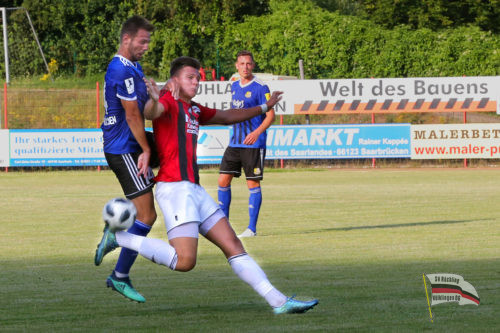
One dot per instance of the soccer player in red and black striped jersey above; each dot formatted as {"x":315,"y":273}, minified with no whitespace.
{"x":187,"y":208}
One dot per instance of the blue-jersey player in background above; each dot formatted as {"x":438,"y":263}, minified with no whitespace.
{"x":126,"y":145}
{"x":247,"y":145}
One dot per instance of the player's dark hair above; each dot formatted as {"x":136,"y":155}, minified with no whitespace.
{"x":181,"y":62}
{"x":133,"y":24}
{"x":244,"y":53}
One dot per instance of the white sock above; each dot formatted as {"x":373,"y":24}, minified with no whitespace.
{"x":120,"y":275}
{"x":153,"y":249}
{"x":250,"y":272}
{"x":159,"y":252}
{"x":128,"y":240}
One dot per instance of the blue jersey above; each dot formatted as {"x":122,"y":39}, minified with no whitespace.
{"x":123,"y":80}
{"x":251,"y":94}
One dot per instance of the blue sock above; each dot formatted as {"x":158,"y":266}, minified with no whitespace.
{"x":127,"y":256}
{"x":254,"y":203}
{"x":224,"y":195}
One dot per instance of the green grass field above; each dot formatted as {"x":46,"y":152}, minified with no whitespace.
{"x":359,"y":240}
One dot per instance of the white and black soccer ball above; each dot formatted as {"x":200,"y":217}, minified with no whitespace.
{"x":119,"y":214}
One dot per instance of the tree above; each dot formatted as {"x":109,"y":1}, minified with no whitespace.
{"x":433,"y":14}
{"x":192,"y":27}
{"x":335,"y":38}
{"x":339,"y":46}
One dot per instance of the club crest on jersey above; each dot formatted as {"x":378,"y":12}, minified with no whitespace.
{"x":194,"y":109}
{"x":248,"y":94}
{"x":129,"y":83}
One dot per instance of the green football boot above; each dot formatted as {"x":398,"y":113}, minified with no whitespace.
{"x":108,"y":243}
{"x":124,"y":287}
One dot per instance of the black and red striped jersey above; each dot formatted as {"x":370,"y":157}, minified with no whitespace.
{"x":176,"y":135}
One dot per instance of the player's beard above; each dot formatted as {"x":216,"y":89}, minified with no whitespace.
{"x":134,"y":54}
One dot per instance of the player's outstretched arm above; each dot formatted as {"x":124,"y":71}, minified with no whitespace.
{"x":233,"y":116}
{"x":153,"y":109}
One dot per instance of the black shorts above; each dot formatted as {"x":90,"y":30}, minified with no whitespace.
{"x":251,"y":159}
{"x":125,"y":168}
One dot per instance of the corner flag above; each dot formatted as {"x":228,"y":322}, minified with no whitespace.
{"x":451,"y":288}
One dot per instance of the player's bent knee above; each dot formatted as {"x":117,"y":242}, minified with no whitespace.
{"x":148,"y":219}
{"x":225,"y":180}
{"x":185,"y":263}
{"x":147,"y":216}
{"x":234,"y":246}
{"x":152,"y":217}
{"x":184,"y":268}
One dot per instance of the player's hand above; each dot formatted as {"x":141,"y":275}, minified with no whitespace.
{"x":174,"y":88}
{"x":143,"y":163}
{"x":153,"y":90}
{"x":275,"y":98}
{"x":251,"y":138}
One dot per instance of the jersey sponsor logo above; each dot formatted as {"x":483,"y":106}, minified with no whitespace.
{"x":192,"y":125}
{"x":248,"y":94}
{"x":108,"y":121}
{"x":129,"y":83}
{"x":268,"y":96}
{"x":238,"y":104}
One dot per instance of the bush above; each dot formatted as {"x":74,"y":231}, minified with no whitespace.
{"x":337,"y":46}
{"x":82,"y":36}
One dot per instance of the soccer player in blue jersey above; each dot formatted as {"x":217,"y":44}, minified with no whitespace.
{"x":126,"y":145}
{"x":247,"y":146}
